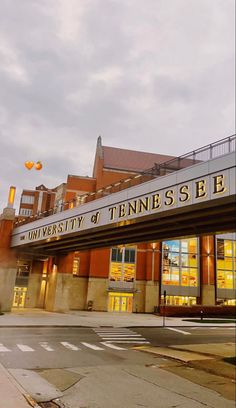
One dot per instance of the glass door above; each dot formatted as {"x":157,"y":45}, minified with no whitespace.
{"x":19,"y":296}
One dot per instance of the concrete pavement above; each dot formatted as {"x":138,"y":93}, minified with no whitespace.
{"x":39,"y":317}
{"x":11,"y":393}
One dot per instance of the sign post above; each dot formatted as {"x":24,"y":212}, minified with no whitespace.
{"x":164,"y":309}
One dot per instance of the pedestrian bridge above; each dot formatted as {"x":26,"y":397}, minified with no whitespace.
{"x":195,"y":200}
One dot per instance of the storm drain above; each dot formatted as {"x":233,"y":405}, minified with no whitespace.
{"x":48,"y":405}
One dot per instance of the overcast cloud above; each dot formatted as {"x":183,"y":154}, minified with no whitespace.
{"x":154,"y":75}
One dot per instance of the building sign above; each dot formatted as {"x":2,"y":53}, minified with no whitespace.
{"x":112,"y":209}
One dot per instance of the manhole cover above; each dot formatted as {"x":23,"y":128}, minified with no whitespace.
{"x":48,"y":405}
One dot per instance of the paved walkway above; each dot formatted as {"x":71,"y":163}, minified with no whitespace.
{"x":39,"y":317}
{"x":11,"y":394}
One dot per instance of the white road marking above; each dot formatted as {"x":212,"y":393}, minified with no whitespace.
{"x":46,"y":346}
{"x":177,"y":330}
{"x":3,"y":349}
{"x":128,"y":341}
{"x":92,"y":346}
{"x":112,"y":346}
{"x":24,"y":347}
{"x":123,"y":338}
{"x":121,"y":335}
{"x":70,"y":346}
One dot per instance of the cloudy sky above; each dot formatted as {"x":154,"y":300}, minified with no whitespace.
{"x":153,"y":75}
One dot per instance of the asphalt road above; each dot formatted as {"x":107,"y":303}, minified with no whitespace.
{"x":33,"y":348}
{"x":98,"y":368}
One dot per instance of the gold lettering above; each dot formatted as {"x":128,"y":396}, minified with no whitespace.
{"x":132,"y":209}
{"x":72,"y":221}
{"x":80,"y":221}
{"x":122,"y":210}
{"x":60,"y":227}
{"x":44,"y":231}
{"x":170,"y":195}
{"x":144,"y":204}
{"x":113,"y":213}
{"x":201,"y":189}
{"x":54,"y":229}
{"x":49,"y":231}
{"x":156,"y":201}
{"x":184,"y":190}
{"x":219,"y":184}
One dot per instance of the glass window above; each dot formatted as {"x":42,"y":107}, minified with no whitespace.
{"x":225,"y":263}
{"x":76,"y":264}
{"x":27,"y":199}
{"x":180,"y":262}
{"x":122,"y":266}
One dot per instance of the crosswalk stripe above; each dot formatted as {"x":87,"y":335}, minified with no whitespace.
{"x":112,"y":346}
{"x":92,"y":346}
{"x":122,"y":338}
{"x":128,"y":341}
{"x":121,"y":335}
{"x":3,"y":349}
{"x":24,"y":347}
{"x":46,"y":346}
{"x":70,"y":346}
{"x":177,"y":330}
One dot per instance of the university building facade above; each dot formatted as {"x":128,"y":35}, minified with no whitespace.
{"x":192,"y":273}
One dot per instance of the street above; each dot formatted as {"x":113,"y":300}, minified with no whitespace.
{"x":103,"y":367}
{"x":33,"y":348}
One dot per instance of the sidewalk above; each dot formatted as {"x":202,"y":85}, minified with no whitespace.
{"x":39,"y":317}
{"x":11,"y":394}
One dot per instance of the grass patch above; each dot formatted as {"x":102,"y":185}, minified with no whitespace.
{"x":230,"y":360}
{"x":210,"y":320}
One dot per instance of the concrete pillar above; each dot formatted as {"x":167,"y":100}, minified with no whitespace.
{"x":34,"y":296}
{"x":207,"y":270}
{"x":59,"y":284}
{"x":7,"y":260}
{"x":152,"y":277}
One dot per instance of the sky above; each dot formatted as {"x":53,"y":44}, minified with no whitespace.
{"x":154,"y":75}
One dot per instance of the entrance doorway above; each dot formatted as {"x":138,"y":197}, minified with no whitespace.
{"x":19,"y":296}
{"x":120,"y":302}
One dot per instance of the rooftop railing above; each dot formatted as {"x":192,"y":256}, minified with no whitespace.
{"x":208,"y":152}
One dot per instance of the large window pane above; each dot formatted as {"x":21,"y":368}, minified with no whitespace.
{"x":180,"y":262}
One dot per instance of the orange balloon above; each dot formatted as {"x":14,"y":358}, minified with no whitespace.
{"x":29,"y":164}
{"x":38,"y":165}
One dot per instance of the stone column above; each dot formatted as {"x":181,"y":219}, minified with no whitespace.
{"x":7,"y":260}
{"x":59,"y":284}
{"x":152,"y":277}
{"x":35,"y":288}
{"x":207,"y":270}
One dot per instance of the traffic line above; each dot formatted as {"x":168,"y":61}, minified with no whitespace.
{"x":178,"y":330}
{"x":3,"y":349}
{"x":122,"y":338}
{"x":120,"y":335}
{"x":92,"y":346}
{"x":69,"y":346}
{"x":24,"y":347}
{"x":128,"y":342}
{"x":112,"y":346}
{"x":46,"y":346}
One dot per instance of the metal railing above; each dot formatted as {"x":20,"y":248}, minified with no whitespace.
{"x":208,"y":152}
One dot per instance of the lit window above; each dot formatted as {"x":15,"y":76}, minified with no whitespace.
{"x":226,"y":263}
{"x":180,"y":262}
{"x":122,"y":266}
{"x":76,"y":264}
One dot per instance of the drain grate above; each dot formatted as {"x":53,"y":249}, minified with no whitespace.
{"x":48,"y":405}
